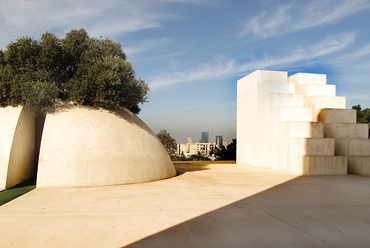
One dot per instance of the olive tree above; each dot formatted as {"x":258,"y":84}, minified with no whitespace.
{"x":78,"y":68}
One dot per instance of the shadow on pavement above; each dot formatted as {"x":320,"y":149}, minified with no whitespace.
{"x":303,"y":212}
{"x":190,"y":167}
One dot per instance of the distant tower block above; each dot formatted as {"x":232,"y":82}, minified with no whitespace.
{"x":219,"y":141}
{"x":298,"y":124}
{"x":204,"y":137}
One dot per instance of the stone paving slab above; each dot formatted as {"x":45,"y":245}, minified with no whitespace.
{"x":205,"y":206}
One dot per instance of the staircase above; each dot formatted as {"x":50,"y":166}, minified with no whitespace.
{"x":298,"y":124}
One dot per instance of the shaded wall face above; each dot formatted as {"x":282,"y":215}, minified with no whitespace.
{"x":21,"y":164}
{"x":39,"y":127}
{"x":8,"y":121}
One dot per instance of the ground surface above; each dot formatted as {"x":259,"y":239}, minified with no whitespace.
{"x":205,"y":206}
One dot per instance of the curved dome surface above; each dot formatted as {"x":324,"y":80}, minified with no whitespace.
{"x":86,"y":146}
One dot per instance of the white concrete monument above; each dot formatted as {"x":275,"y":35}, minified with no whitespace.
{"x":81,"y":146}
{"x":298,"y":124}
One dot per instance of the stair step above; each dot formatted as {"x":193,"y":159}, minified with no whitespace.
{"x":329,"y":115}
{"x":322,"y":102}
{"x":359,"y":165}
{"x":307,"y":78}
{"x":325,"y":165}
{"x":352,"y":147}
{"x":316,"y":90}
{"x":268,"y":87}
{"x":292,"y":114}
{"x":311,"y":146}
{"x":346,"y":130}
{"x":302,"y":129}
{"x":264,"y":75}
{"x":285,"y":100}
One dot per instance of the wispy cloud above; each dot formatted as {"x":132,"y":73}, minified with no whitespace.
{"x":363,"y":52}
{"x":110,"y":18}
{"x":228,"y":68}
{"x":146,"y":46}
{"x":299,"y":15}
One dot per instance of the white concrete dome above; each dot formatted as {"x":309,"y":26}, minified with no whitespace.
{"x":86,"y":146}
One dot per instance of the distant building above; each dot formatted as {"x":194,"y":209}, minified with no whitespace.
{"x":164,"y":132}
{"x":219,"y":141}
{"x":204,"y":137}
{"x":194,"y":148}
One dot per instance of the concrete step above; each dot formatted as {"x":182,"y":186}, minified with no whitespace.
{"x":352,"y":147}
{"x":359,"y":165}
{"x":307,"y":78}
{"x":316,"y":90}
{"x":264,"y":75}
{"x":346,"y":130}
{"x":268,"y":87}
{"x":325,"y":165}
{"x":285,"y":100}
{"x":329,"y":115}
{"x":292,"y":114}
{"x":302,"y":129}
{"x":311,"y":146}
{"x":322,"y":102}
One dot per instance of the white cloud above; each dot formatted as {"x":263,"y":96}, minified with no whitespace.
{"x":228,"y":68}
{"x":361,"y":53}
{"x":107,"y":18}
{"x":146,"y":46}
{"x":296,"y":16}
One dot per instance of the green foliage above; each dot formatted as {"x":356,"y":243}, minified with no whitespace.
{"x":16,"y":191}
{"x":169,"y":144}
{"x":363,"y":115}
{"x":78,"y":68}
{"x":228,"y":153}
{"x":198,"y":157}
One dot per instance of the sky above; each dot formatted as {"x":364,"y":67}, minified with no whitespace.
{"x":192,"y":52}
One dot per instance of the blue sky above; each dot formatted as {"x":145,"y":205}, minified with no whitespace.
{"x":192,"y":52}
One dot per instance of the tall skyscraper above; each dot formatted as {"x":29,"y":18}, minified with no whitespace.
{"x":219,"y":141}
{"x":204,"y":137}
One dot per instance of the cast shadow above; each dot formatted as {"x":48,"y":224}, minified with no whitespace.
{"x":297,"y":213}
{"x":182,"y":168}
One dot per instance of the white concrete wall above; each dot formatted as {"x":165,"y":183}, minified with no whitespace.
{"x":277,"y":128}
{"x":8,"y":123}
{"x":83,"y":146}
{"x":17,"y":147}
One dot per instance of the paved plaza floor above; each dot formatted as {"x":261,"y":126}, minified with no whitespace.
{"x":218,"y":205}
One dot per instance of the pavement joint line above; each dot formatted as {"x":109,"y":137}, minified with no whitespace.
{"x":295,"y":227}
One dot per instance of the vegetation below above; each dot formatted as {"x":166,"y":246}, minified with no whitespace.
{"x":16,"y":191}
{"x":363,"y":115}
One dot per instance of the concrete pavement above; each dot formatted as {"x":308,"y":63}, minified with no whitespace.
{"x":205,"y":206}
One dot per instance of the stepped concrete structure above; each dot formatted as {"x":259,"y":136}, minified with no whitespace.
{"x":80,"y":146}
{"x":298,"y":124}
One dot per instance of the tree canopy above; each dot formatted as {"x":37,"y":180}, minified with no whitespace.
{"x":169,"y":144}
{"x":78,"y":68}
{"x":227,"y":153}
{"x":363,"y":115}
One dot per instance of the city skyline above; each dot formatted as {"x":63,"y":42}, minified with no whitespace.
{"x":191,"y":53}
